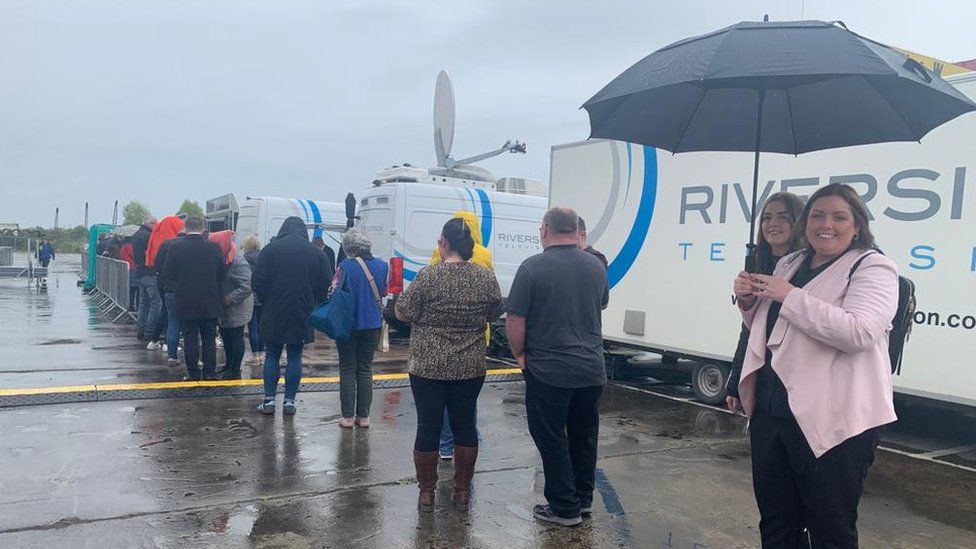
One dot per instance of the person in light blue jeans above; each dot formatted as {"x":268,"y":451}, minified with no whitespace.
{"x":272,"y":369}
{"x":291,"y":277}
{"x":172,"y":329}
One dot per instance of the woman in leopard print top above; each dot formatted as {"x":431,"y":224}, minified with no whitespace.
{"x":448,"y":305}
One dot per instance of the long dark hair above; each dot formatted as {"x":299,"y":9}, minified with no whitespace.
{"x":764,"y":251}
{"x":864,"y":239}
{"x":458,"y":236}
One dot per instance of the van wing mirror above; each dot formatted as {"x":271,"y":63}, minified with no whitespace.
{"x":350,"y":210}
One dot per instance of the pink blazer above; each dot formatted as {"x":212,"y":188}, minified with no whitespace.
{"x":830,"y":348}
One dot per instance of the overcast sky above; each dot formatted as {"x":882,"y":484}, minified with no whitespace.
{"x":161,"y":101}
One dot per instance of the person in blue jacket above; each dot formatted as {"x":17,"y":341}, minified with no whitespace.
{"x":356,"y":354}
{"x":45,"y":253}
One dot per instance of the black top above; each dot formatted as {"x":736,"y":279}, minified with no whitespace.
{"x":771,"y":396}
{"x":140,"y":241}
{"x":561,"y":293}
{"x":160,"y":262}
{"x":194,"y":272}
{"x":767,"y":266}
{"x":291,"y":278}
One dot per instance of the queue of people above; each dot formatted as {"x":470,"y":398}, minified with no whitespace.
{"x":811,"y":369}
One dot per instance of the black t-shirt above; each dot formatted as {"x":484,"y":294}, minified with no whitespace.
{"x":771,"y":396}
{"x":561,"y":293}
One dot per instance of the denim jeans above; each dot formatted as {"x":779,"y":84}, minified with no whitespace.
{"x":254,"y":331}
{"x":161,"y":324}
{"x":356,"y":372}
{"x":272,"y":371}
{"x":564,"y":424}
{"x":149,"y":305}
{"x":172,"y":327}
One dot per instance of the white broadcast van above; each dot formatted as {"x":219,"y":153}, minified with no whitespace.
{"x":675,"y":228}
{"x":406,"y":207}
{"x":262,"y":216}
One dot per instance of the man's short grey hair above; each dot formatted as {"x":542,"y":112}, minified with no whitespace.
{"x":149,"y":219}
{"x":561,"y":220}
{"x":356,"y":243}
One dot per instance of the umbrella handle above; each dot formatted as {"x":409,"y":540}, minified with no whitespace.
{"x":751,"y":257}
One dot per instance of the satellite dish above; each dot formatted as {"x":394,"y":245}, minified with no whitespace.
{"x":443,"y":118}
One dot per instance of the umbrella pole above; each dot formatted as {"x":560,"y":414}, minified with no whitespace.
{"x":751,"y":247}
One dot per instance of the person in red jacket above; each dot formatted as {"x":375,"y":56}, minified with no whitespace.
{"x":125,"y":254}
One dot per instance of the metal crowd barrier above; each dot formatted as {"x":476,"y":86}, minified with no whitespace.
{"x":6,"y":256}
{"x":84,"y":266}
{"x":111,"y":293}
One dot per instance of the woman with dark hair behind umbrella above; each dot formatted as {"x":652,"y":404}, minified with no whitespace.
{"x":816,"y":379}
{"x":775,"y":239}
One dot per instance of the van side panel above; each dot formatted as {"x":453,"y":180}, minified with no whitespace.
{"x":509,"y":223}
{"x":674,"y":228}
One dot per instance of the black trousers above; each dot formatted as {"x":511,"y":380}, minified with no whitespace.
{"x":565,"y":423}
{"x":233,"y":348}
{"x":796,"y":491}
{"x":431,"y":396}
{"x":199,"y":332}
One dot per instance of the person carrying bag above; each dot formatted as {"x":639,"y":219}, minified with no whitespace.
{"x":362,"y":278}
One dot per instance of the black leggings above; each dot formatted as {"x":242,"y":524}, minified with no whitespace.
{"x":431,"y":396}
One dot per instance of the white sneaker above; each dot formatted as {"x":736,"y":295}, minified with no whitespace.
{"x":163,"y":347}
{"x":172,"y":361}
{"x":154,"y":346}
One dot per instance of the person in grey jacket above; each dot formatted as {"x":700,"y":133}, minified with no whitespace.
{"x":236,"y":306}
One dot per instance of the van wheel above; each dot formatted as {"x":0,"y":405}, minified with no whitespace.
{"x":708,"y":380}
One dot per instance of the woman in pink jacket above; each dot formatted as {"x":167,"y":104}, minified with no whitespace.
{"x":816,"y":379}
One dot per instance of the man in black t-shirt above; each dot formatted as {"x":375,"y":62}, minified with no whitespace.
{"x":585,"y":246}
{"x":556,"y":334}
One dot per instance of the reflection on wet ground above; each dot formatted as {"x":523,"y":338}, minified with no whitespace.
{"x":205,"y":472}
{"x":58,"y":337}
{"x":209,"y":472}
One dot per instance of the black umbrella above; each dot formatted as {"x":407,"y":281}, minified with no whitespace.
{"x":786,"y":87}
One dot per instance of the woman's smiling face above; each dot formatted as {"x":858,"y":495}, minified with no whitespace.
{"x":776,"y":225}
{"x":830,"y":226}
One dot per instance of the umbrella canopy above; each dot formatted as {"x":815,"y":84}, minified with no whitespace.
{"x":786,"y":87}
{"x":805,"y":85}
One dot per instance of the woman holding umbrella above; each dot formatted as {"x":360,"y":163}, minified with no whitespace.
{"x":816,"y":379}
{"x":776,"y":238}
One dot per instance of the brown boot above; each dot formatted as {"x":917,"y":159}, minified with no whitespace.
{"x":464,"y":460}
{"x":426,"y":464}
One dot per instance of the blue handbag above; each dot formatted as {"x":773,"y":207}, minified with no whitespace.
{"x":336,"y":316}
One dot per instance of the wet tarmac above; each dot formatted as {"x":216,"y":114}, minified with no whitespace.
{"x":210,"y":472}
{"x":59,"y":337}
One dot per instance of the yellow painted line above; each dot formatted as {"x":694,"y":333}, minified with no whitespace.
{"x":47,"y":390}
{"x":189,"y":384}
{"x":178,"y":385}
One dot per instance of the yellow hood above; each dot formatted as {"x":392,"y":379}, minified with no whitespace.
{"x":481,"y":255}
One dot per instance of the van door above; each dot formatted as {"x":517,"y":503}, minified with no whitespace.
{"x":376,"y":217}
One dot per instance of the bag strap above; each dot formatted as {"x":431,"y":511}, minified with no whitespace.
{"x":859,"y":260}
{"x":372,"y":283}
